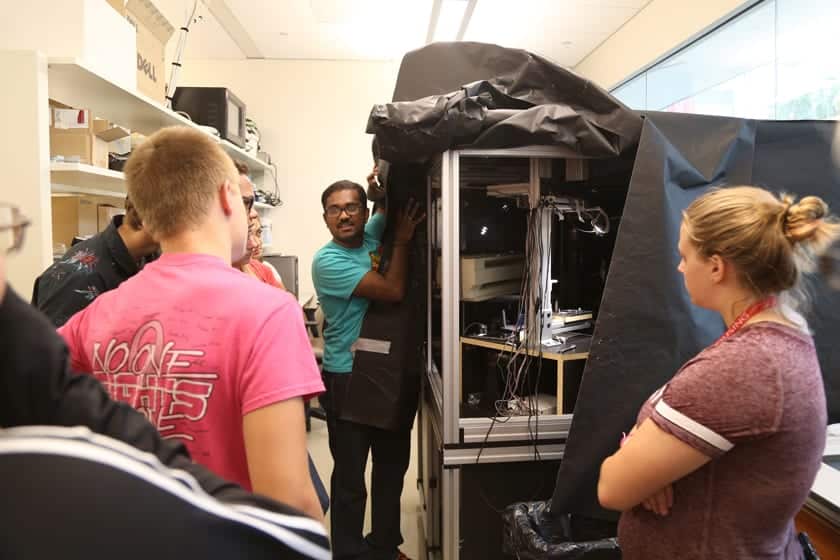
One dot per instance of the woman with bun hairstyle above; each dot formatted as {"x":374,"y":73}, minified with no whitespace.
{"x":722,"y":457}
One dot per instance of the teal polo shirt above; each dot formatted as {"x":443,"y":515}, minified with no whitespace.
{"x":336,"y":271}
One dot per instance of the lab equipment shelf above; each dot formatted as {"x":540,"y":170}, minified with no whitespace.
{"x":80,"y":178}
{"x":70,"y":82}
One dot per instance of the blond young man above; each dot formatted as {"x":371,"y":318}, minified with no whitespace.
{"x":56,"y":421}
{"x":212,"y":357}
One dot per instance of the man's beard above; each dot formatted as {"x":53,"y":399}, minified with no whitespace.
{"x":355,"y":233}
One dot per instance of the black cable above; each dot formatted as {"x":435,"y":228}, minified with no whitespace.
{"x":533,"y":409}
{"x":524,"y":299}
{"x":532,"y":497}
{"x":179,"y":53}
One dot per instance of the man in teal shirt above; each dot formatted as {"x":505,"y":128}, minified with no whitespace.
{"x":347,"y":276}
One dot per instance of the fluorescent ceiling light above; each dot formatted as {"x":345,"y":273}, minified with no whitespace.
{"x":449,"y":20}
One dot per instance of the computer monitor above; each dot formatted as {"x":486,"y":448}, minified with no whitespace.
{"x":214,"y":106}
{"x":287,"y":266}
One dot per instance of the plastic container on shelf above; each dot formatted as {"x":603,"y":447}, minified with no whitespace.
{"x":267,"y":234}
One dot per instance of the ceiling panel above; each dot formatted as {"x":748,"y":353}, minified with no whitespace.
{"x":206,"y":39}
{"x":336,"y":29}
{"x":638,"y":4}
{"x":562,"y":30}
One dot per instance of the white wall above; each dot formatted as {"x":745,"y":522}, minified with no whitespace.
{"x":312,"y":116}
{"x":659,"y":29}
{"x":24,"y":156}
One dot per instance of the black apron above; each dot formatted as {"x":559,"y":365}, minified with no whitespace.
{"x":384,"y":387}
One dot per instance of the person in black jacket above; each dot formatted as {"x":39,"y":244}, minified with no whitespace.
{"x":94,"y":266}
{"x":37,"y":388}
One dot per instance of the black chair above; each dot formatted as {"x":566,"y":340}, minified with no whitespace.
{"x":72,"y":495}
{"x":314,"y":332}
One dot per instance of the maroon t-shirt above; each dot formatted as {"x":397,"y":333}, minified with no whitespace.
{"x":755,"y":404}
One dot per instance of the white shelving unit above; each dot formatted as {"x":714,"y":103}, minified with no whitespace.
{"x":33,"y":180}
{"x":79,"y":178}
{"x":71,"y":83}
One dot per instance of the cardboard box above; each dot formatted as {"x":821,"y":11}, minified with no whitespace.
{"x":72,"y":137}
{"x":78,"y":137}
{"x":153,"y":33}
{"x":72,"y":216}
{"x":105,"y":213}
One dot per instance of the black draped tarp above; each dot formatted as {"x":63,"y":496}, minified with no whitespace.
{"x":482,"y":96}
{"x":485,"y":96}
{"x":647,"y":326}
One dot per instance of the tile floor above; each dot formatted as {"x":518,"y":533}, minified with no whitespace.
{"x":320,"y":451}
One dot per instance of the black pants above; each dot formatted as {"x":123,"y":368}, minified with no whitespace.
{"x":350,"y":444}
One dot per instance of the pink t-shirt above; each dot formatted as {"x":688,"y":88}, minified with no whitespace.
{"x":755,"y":405}
{"x":195,"y":345}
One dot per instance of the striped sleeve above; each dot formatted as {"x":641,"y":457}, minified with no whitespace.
{"x":689,"y":431}
{"x":717,"y":402}
{"x":86,"y":459}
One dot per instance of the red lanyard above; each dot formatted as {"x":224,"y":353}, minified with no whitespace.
{"x":748,"y":314}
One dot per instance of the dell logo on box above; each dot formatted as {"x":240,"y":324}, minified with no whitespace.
{"x":147,"y":67}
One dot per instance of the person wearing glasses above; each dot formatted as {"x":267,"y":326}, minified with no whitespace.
{"x":246,"y":187}
{"x":13,"y":225}
{"x":257,"y":254}
{"x":213,"y":358}
{"x":62,"y":438}
{"x":251,"y":263}
{"x":347,"y":276}
{"x":94,"y":266}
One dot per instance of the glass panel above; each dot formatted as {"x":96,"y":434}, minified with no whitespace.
{"x":808,"y":63}
{"x":730,"y":72}
{"x":633,"y":93}
{"x":749,"y":95}
{"x":777,"y":61}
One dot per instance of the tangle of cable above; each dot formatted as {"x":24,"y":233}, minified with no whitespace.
{"x":518,"y":357}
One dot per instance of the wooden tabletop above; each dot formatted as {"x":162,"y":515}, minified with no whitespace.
{"x":581,"y":352}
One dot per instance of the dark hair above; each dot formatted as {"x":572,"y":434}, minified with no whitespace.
{"x":344,"y":186}
{"x":132,"y":218}
{"x":242,"y":167}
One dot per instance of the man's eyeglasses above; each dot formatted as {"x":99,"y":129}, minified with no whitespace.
{"x":13,"y":226}
{"x":350,"y":210}
{"x":248,"y":201}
